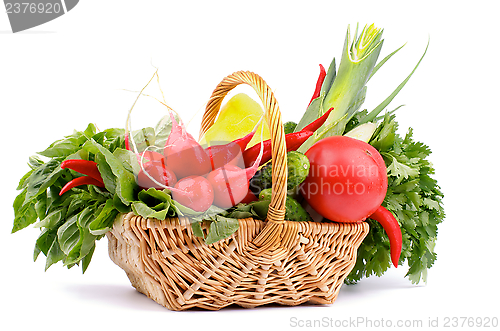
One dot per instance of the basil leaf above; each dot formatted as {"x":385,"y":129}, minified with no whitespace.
{"x":119,"y":205}
{"x":86,"y":240}
{"x":87,"y":258}
{"x":105,"y":219}
{"x":221,"y":228}
{"x":24,"y":213}
{"x":24,"y":180}
{"x":197,"y":230}
{"x":116,"y":143}
{"x":128,"y":159}
{"x":52,"y":219}
{"x":69,"y":145}
{"x":68,"y":234}
{"x":126,"y":184}
{"x":154,"y":198}
{"x":114,"y":133}
{"x":42,"y":178}
{"x":144,"y":138}
{"x":34,"y":162}
{"x":107,"y":175}
{"x":185,"y":211}
{"x":36,"y":252}
{"x":141,"y":209}
{"x":54,"y":255}
{"x":90,"y":130}
{"x":210,"y":213}
{"x":41,"y":206}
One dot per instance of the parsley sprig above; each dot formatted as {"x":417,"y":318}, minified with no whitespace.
{"x":413,"y":196}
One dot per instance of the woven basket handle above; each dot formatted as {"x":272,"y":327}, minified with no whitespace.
{"x":276,"y":213}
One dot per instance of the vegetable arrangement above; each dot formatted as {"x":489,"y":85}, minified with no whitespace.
{"x":344,"y":165}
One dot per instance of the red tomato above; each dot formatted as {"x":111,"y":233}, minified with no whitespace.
{"x":197,"y":193}
{"x":347,"y":181}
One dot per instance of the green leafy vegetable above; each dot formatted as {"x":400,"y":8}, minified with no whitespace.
{"x":221,"y":228}
{"x":414,"y":198}
{"x":70,"y":224}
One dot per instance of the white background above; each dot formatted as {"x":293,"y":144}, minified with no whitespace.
{"x":66,"y":73}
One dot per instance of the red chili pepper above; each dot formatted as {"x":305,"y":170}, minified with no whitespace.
{"x":249,"y":197}
{"x":221,"y":155}
{"x":85,"y":180}
{"x":321,"y":79}
{"x":84,"y":167}
{"x":293,"y":141}
{"x":316,"y":124}
{"x":391,"y":227}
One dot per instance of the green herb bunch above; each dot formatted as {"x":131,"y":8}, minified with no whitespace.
{"x":414,"y":198}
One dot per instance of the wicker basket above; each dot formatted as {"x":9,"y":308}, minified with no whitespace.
{"x":275,"y":261}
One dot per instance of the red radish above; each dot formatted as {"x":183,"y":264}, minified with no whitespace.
{"x":184,"y":154}
{"x":150,"y":156}
{"x":230,"y":182}
{"x":160,"y":174}
{"x":230,"y":153}
{"x":230,"y":185}
{"x":194,"y":192}
{"x":127,"y":142}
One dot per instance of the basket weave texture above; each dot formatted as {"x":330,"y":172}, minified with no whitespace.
{"x":272,"y":261}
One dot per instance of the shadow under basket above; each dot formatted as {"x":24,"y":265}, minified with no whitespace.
{"x":263,"y":262}
{"x":167,"y":263}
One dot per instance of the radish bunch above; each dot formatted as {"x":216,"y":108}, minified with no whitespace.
{"x":198,"y":177}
